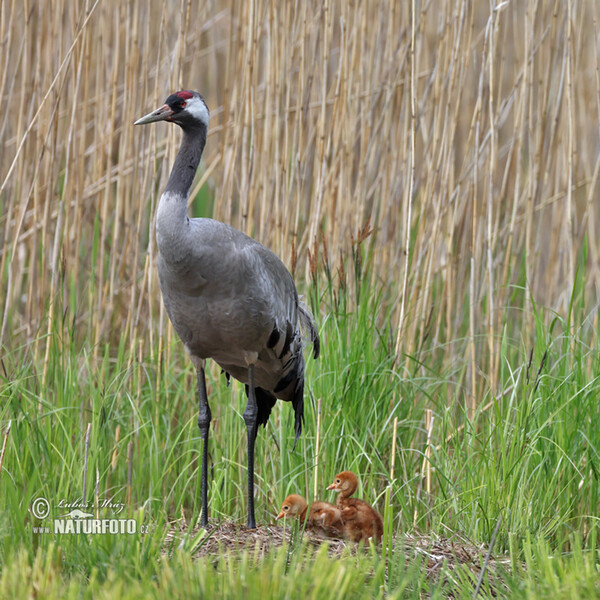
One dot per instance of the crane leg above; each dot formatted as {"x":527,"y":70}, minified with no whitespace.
{"x":204,"y":417}
{"x":251,"y":419}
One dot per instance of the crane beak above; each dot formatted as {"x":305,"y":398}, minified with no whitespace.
{"x":279,"y":516}
{"x":160,"y":114}
{"x":332,"y":487}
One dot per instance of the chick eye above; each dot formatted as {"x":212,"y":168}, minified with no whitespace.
{"x":286,"y":508}
{"x":337,"y":481}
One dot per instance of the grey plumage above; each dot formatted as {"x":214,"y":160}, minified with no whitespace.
{"x":226,"y":305}
{"x":229,"y":298}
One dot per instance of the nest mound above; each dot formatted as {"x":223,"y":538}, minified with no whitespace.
{"x":227,"y":536}
{"x":441,"y":555}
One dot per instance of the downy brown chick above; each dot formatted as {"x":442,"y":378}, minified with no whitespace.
{"x":361,"y":520}
{"x":322,"y":516}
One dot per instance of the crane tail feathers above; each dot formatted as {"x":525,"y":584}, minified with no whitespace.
{"x":307,"y":324}
{"x":294,"y":370}
{"x":298,"y":404}
{"x":265,"y":401}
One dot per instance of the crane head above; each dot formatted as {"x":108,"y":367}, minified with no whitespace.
{"x":186,"y":109}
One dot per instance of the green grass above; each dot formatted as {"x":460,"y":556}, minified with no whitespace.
{"x":528,"y":462}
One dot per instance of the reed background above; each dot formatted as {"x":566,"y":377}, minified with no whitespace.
{"x":427,"y":170}
{"x":467,"y":141}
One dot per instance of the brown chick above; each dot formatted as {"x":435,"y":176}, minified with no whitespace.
{"x":361,"y":520}
{"x":322,"y":516}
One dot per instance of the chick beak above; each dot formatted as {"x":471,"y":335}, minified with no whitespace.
{"x":279,"y":516}
{"x":332,"y":487}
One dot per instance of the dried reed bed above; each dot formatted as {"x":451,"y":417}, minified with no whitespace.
{"x":465,"y":135}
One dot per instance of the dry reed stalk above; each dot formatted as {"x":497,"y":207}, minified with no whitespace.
{"x":85,"y":460}
{"x":129,"y":471}
{"x":425,"y":474}
{"x":567,"y":228}
{"x":6,"y":432}
{"x":429,"y":418}
{"x":317,"y":447}
{"x":393,"y":458}
{"x":411,"y":178}
{"x":114,"y":457}
{"x":388,"y":537}
{"x":97,"y":494}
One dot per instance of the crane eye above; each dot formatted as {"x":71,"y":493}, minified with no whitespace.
{"x":183,"y":103}
{"x":338,"y":480}
{"x":286,"y":508}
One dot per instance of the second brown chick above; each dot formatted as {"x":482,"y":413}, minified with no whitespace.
{"x":361,"y":520}
{"x":322,"y":516}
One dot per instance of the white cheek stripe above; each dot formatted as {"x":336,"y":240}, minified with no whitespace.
{"x":198,"y":110}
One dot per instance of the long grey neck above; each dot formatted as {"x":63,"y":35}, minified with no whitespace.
{"x":172,"y":223}
{"x":187,"y":161}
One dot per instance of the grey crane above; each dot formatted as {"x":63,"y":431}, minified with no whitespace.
{"x":229,"y":298}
